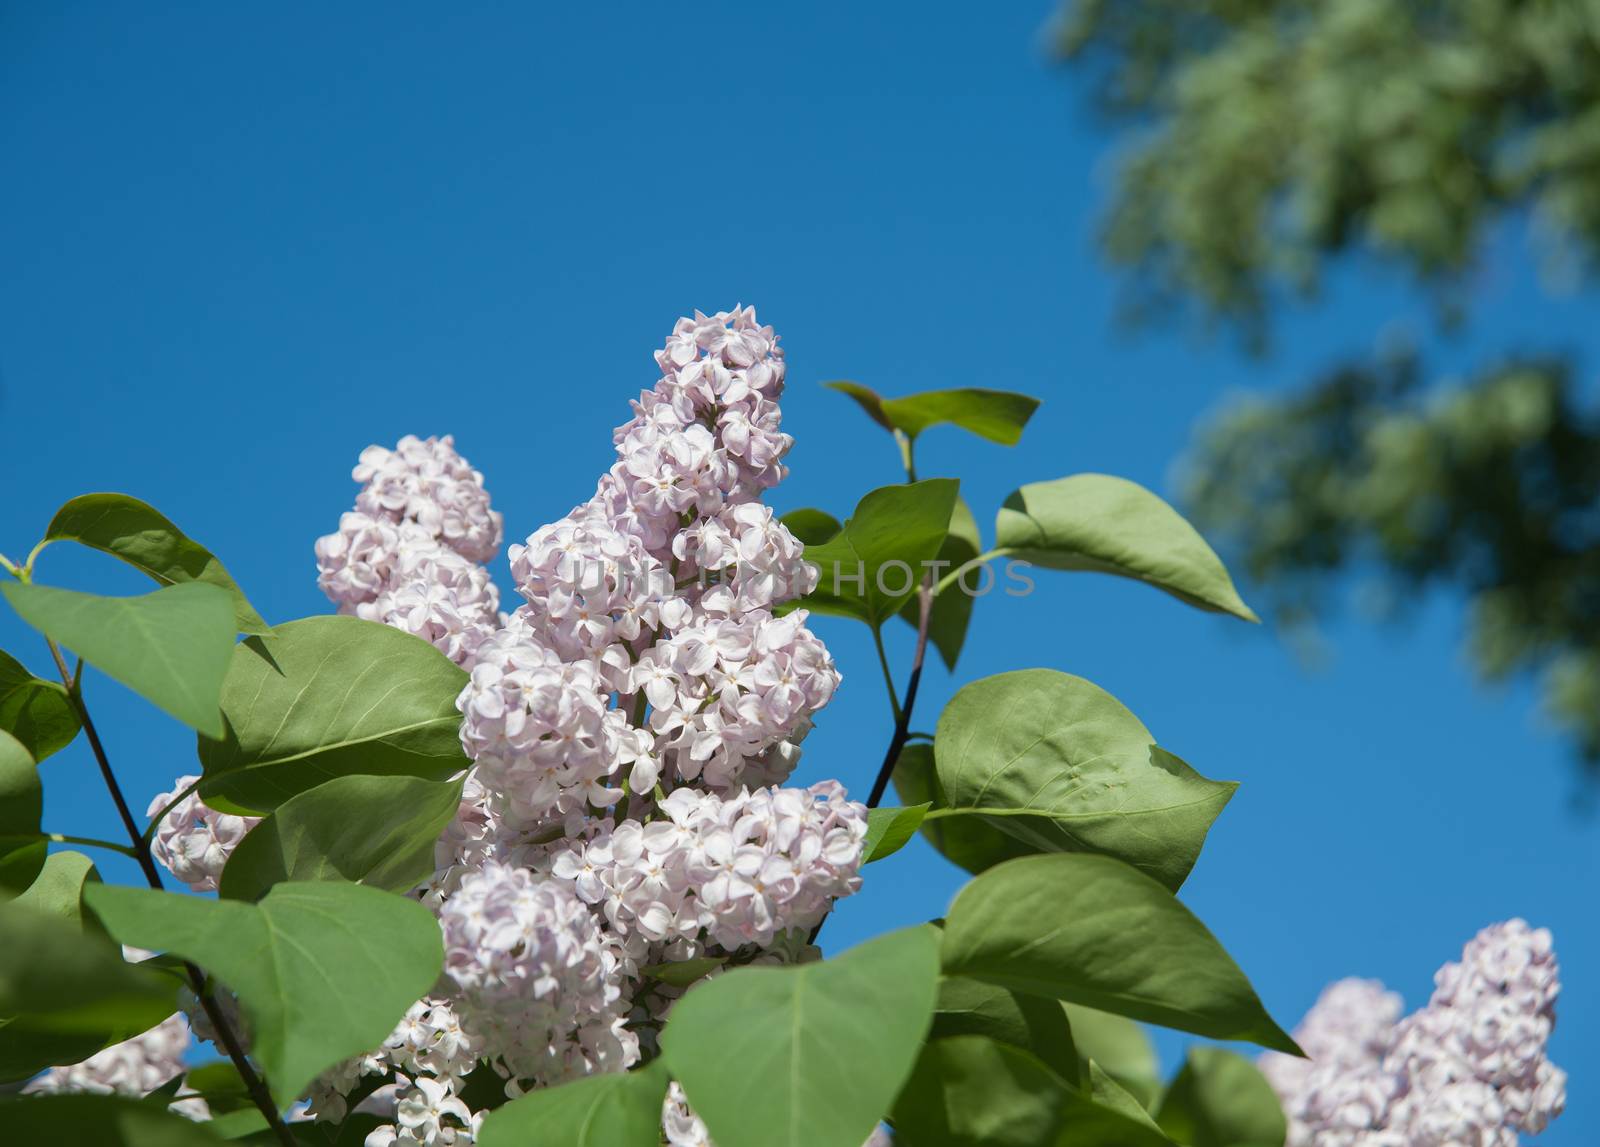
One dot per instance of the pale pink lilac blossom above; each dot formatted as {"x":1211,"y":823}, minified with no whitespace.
{"x":193,"y":840}
{"x":1468,"y":1070}
{"x":625,"y":724}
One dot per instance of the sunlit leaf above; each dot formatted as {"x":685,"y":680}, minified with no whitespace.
{"x":968,"y":841}
{"x":1091,"y":930}
{"x":998,"y":415}
{"x":1103,"y":524}
{"x":323,"y":971}
{"x":171,"y":647}
{"x":34,"y":711}
{"x":810,"y":1055}
{"x":379,"y":831}
{"x":328,"y":697}
{"x":879,"y":558}
{"x":143,"y":537}
{"x":616,"y":1109}
{"x":1219,"y":1099}
{"x":888,"y":830}
{"x":1058,"y":763}
{"x":22,"y":848}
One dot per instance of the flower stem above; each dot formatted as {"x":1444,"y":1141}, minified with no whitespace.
{"x":141,"y":852}
{"x":902,"y":723}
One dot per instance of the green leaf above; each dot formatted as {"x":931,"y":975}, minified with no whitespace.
{"x":952,"y":608}
{"x":1109,"y":525}
{"x":100,"y":1120}
{"x":220,"y":1085}
{"x":327,"y":697}
{"x":55,"y":976}
{"x":971,"y":1007}
{"x":1091,"y":930}
{"x":34,"y":711}
{"x":1108,"y":1114}
{"x":142,"y":536}
{"x":22,"y":848}
{"x":805,"y":1056}
{"x":1219,"y":1099}
{"x":973,"y":1091}
{"x":682,"y":973}
{"x":378,"y":831}
{"x":171,"y":647}
{"x":998,"y":415}
{"x":877,"y":560}
{"x":323,"y":971}
{"x":811,"y":526}
{"x":965,"y":840}
{"x":1058,"y":763}
{"x":58,"y":889}
{"x":888,"y":829}
{"x":1120,"y":1047}
{"x":619,"y":1109}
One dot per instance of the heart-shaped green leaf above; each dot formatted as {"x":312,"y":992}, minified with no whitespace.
{"x":142,"y":536}
{"x":328,"y":697}
{"x":1058,"y":763}
{"x":22,"y":848}
{"x":618,"y":1109}
{"x":875,"y":563}
{"x":323,"y":971}
{"x":34,"y":711}
{"x":1091,"y":930}
{"x":805,"y":1056}
{"x":171,"y":647}
{"x":378,"y":831}
{"x":1103,"y":524}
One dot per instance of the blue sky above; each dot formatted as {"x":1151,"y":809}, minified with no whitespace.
{"x":240,"y":244}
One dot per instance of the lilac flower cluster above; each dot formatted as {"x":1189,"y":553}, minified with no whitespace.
{"x":193,"y":840}
{"x":134,"y":1067}
{"x":410,"y":553}
{"x":1468,"y":1070}
{"x":628,"y":725}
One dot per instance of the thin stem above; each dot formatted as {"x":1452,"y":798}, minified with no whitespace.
{"x":91,"y":842}
{"x":960,"y":571}
{"x":888,"y":676}
{"x":141,"y":852}
{"x":9,"y":566}
{"x":908,"y":453}
{"x":34,"y":553}
{"x":902,"y":725}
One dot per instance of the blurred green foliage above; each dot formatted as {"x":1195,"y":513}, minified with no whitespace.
{"x":1269,"y":137}
{"x":1278,"y":132}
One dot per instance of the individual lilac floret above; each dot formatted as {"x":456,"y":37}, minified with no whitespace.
{"x":531,"y":977}
{"x":194,"y":840}
{"x":1467,"y":1070}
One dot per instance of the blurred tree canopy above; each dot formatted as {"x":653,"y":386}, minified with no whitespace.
{"x":1274,"y":136}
